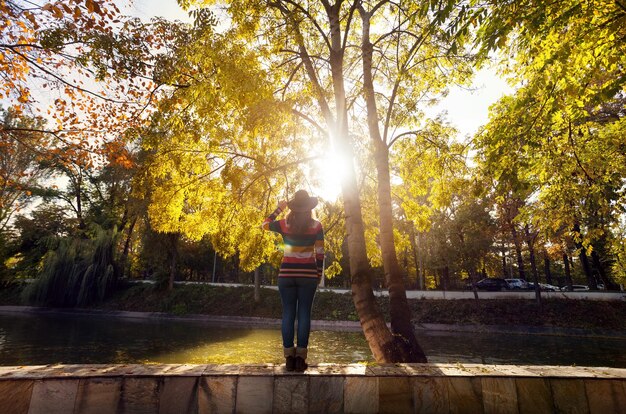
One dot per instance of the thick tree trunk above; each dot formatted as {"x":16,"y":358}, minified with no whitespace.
{"x":401,"y":326}
{"x":383,"y":344}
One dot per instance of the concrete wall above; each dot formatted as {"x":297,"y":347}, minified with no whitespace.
{"x":402,"y":388}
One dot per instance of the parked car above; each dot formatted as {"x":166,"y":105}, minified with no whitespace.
{"x":517,"y":283}
{"x":549,"y":288}
{"x":492,"y":284}
{"x":575,"y":288}
{"x":544,"y":286}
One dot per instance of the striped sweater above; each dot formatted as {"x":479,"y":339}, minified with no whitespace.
{"x":304,"y":253}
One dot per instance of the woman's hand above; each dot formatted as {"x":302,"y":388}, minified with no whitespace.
{"x":282,"y":204}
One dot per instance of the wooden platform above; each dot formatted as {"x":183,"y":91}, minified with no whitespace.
{"x":355,"y":388}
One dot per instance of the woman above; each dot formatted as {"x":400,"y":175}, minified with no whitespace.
{"x":300,"y":272}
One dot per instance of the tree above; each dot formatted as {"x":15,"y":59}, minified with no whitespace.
{"x":20,"y":169}
{"x":80,"y":49}
{"x":216,"y":155}
{"x":308,"y":47}
{"x":317,"y":38}
{"x":419,"y":52}
{"x":550,"y":162}
{"x":98,"y":65}
{"x":35,"y":236}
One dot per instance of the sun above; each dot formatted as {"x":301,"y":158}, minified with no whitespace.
{"x":328,"y":174}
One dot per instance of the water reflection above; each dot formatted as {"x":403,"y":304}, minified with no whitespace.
{"x":47,"y":339}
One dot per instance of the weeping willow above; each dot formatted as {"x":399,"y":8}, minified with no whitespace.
{"x":78,"y":272}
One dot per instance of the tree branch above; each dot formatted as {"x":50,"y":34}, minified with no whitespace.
{"x":64,"y":82}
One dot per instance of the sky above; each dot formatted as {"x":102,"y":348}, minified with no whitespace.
{"x":467,"y":108}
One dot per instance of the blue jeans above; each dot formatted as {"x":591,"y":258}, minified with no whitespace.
{"x":296,"y":295}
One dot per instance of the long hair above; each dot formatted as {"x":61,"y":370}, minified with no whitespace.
{"x":299,"y":221}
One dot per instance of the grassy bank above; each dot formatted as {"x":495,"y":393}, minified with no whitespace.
{"x":239,"y":301}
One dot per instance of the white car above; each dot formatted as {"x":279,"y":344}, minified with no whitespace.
{"x":548,"y":288}
{"x":517,"y":283}
{"x":575,"y":288}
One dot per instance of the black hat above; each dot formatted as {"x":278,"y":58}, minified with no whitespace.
{"x":302,"y":202}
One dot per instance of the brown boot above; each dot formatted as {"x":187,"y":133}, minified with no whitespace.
{"x":300,"y":362}
{"x":290,"y":358}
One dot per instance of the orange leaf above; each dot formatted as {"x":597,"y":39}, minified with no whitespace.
{"x":57,"y":12}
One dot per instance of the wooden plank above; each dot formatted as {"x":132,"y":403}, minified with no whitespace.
{"x":569,"y":395}
{"x":140,"y":395}
{"x":53,"y":396}
{"x":606,"y":396}
{"x":254,"y":394}
{"x":395,"y":395}
{"x":430,"y":395}
{"x":98,"y":395}
{"x":499,"y":395}
{"x":217,"y":394}
{"x":178,"y":395}
{"x":291,"y":394}
{"x":534,"y":395}
{"x":465,"y":395}
{"x":326,"y":394}
{"x":360,"y":395}
{"x":15,"y":396}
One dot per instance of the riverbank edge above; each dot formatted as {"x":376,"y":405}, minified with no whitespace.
{"x":351,"y":388}
{"x":315,"y":324}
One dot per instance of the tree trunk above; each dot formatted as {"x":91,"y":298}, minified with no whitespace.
{"x":173,"y":253}
{"x":129,"y":236}
{"x":79,"y":203}
{"x":472,"y":276}
{"x":401,"y":326}
{"x":257,"y":285}
{"x":503,"y":260}
{"x":608,"y":283}
{"x":518,"y":252}
{"x":416,"y":260}
{"x":445,"y":278}
{"x":530,"y":242}
{"x":584,"y":260}
{"x":422,"y":273}
{"x":546,"y":267}
{"x":382,"y":343}
{"x":568,"y":273}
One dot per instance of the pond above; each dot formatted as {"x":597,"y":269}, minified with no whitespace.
{"x":47,"y":339}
